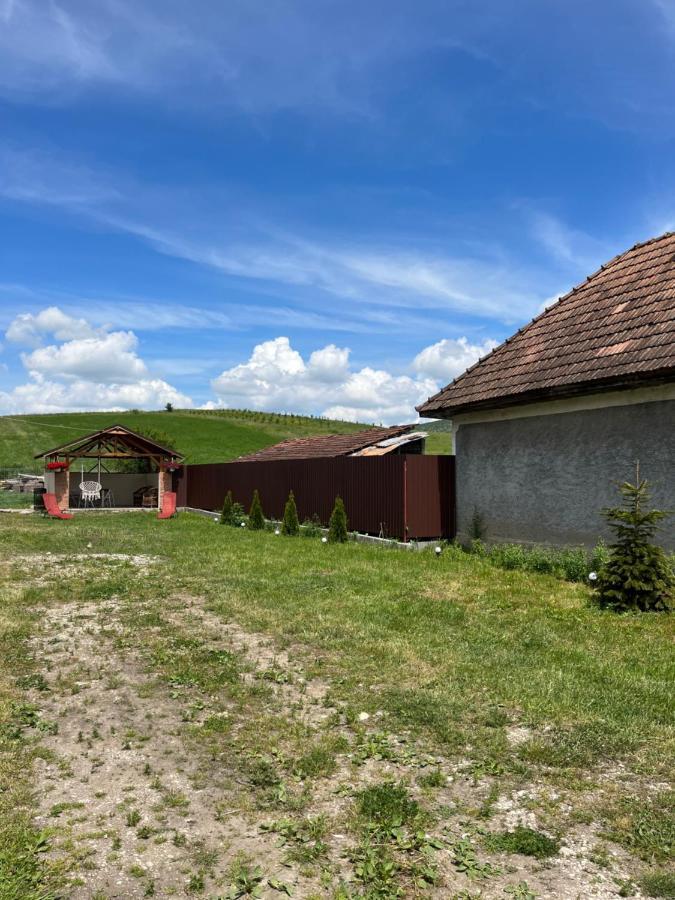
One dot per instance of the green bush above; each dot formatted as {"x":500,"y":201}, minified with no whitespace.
{"x":256,"y":517}
{"x":227,"y":511}
{"x":337,"y":527}
{"x":637,"y":575}
{"x":290,"y":524}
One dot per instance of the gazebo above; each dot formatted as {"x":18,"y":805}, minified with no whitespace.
{"x":100,"y":454}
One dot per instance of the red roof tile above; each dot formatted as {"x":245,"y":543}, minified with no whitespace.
{"x":615,"y":329}
{"x":325,"y":445}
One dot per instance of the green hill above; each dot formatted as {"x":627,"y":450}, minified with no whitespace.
{"x":201,"y":435}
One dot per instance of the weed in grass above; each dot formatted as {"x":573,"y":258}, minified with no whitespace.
{"x":133,"y":818}
{"x":377,"y":870}
{"x":59,"y":808}
{"x":319,"y":761}
{"x":246,"y":880}
{"x":387,"y":805}
{"x":304,"y":836}
{"x":195,"y":883}
{"x":137,"y":871}
{"x":263,"y":773}
{"x":465,"y":860}
{"x":525,"y":841}
{"x":659,"y":884}
{"x":433,"y":779}
{"x":520,"y":891}
{"x":280,"y":886}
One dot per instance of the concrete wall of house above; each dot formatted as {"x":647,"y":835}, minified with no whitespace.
{"x":545,"y":478}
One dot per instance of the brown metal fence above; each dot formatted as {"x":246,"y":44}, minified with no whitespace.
{"x":398,"y":496}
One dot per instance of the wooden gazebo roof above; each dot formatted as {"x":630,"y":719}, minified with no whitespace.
{"x":115,"y":442}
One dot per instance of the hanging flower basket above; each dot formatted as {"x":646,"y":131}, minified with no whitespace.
{"x":172,"y":467}
{"x":57,"y":466}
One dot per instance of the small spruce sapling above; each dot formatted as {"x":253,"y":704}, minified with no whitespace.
{"x":256,"y":517}
{"x":337,"y":527}
{"x":290,"y":524}
{"x":227,"y":514}
{"x":637,"y":576}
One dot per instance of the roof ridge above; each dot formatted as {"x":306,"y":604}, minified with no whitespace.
{"x":613,"y":261}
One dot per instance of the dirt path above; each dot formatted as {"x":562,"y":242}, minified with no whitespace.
{"x":136,"y":811}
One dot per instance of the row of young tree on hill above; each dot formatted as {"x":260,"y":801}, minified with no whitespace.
{"x":233,"y":514}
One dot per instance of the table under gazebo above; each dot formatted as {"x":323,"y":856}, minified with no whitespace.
{"x":97,"y":471}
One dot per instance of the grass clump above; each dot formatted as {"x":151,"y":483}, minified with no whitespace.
{"x":659,"y":884}
{"x":525,"y":841}
{"x":637,"y":577}
{"x":290,"y":524}
{"x":387,"y":805}
{"x":256,"y":517}
{"x":337,"y":527}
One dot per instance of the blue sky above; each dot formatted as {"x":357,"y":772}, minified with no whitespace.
{"x":325,"y":207}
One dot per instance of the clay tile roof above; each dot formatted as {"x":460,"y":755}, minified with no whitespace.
{"x":325,"y":445}
{"x":615,"y":329}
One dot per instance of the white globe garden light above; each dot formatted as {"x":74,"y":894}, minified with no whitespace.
{"x":324,"y":540}
{"x":276,"y":531}
{"x":592,"y":576}
{"x":438,"y":550}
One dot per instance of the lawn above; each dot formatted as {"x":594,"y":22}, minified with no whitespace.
{"x":193,"y":708}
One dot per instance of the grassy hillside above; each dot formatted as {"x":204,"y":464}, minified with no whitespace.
{"x":202,"y":435}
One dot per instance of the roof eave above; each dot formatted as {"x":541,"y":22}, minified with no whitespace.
{"x":597,"y":386}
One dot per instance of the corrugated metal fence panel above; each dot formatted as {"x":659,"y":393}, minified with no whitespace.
{"x":372,"y":489}
{"x":430,"y":496}
{"x":376,"y":491}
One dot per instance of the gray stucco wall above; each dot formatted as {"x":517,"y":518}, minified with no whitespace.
{"x":544,"y":479}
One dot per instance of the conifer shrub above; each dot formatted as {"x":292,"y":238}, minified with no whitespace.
{"x":256,"y":516}
{"x":337,"y":526}
{"x":637,"y":576}
{"x":226,"y":515}
{"x":290,"y":524}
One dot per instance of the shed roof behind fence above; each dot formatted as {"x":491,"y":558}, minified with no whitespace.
{"x":617,"y":329}
{"x":326,"y":445}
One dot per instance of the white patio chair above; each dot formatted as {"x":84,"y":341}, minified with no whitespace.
{"x":90,"y":492}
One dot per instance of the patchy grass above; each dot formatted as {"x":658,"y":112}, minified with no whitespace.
{"x":320,"y":711}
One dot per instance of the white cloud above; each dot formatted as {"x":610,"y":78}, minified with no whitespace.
{"x":89,"y":369}
{"x":110,"y":357}
{"x":44,"y":396}
{"x":277,"y":378}
{"x":448,"y":358}
{"x":30,"y":329}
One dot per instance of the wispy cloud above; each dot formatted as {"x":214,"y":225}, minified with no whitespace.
{"x":369,"y":271}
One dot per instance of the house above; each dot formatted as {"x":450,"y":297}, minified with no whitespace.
{"x":547,"y":424}
{"x":372,"y":442}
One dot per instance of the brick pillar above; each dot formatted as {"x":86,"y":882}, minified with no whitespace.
{"x":165,"y":480}
{"x":62,"y":488}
